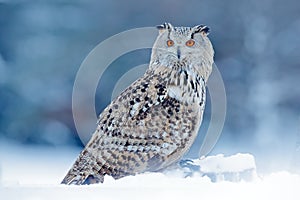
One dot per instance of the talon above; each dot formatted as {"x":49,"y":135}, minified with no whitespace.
{"x":186,"y":162}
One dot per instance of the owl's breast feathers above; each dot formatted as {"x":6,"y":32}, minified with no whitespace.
{"x":147,"y":127}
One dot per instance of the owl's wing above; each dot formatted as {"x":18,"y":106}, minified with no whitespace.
{"x":133,"y":103}
{"x":132,"y":134}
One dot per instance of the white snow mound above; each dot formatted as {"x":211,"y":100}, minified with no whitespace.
{"x":221,"y":164}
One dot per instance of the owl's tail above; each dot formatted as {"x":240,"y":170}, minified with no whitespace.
{"x":84,"y":171}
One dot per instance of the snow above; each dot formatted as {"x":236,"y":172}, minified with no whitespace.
{"x":232,"y":168}
{"x":34,"y":173}
{"x":220,"y":164}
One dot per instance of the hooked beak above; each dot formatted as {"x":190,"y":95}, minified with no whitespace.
{"x":178,"y":53}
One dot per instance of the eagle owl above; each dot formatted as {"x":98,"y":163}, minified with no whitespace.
{"x":154,"y":121}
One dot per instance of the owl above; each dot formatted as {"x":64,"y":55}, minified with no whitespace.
{"x":155,"y":120}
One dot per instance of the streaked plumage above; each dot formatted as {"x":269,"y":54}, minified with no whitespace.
{"x":151,"y":124}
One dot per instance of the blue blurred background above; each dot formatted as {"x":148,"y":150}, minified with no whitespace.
{"x":257,"y":45}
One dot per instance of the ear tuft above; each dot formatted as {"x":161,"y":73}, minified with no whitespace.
{"x":201,"y":29}
{"x":164,"y":26}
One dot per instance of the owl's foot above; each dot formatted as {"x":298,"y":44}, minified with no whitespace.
{"x":190,"y":165}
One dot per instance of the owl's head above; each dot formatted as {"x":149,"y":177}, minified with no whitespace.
{"x":184,"y":47}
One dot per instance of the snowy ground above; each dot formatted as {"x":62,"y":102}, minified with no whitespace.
{"x":35,"y":173}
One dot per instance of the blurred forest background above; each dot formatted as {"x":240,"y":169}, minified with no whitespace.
{"x":257,"y":45}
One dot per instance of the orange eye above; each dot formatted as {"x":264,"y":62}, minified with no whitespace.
{"x":170,"y":43}
{"x":190,"y":43}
